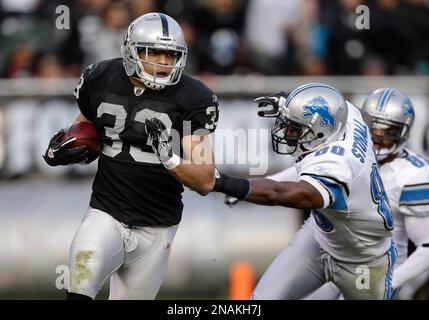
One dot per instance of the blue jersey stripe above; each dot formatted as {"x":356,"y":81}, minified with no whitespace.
{"x":337,"y":192}
{"x":414,"y":195}
{"x":392,"y":260}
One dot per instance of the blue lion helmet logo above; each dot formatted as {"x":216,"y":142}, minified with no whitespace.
{"x":321,"y":107}
{"x":408,"y":110}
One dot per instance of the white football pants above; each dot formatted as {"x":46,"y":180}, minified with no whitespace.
{"x":134,"y":258}
{"x":304,"y":267}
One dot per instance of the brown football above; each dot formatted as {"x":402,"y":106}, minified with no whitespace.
{"x":85,"y":134}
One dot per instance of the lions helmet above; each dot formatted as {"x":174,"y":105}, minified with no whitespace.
{"x":312,"y":116}
{"x":393,"y":113}
{"x":154,"y":31}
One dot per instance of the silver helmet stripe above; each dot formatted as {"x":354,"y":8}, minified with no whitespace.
{"x":164,"y":23}
{"x":298,"y":90}
{"x":304,"y":87}
{"x":384,"y":98}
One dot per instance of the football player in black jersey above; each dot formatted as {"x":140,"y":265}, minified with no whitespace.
{"x":150,"y":118}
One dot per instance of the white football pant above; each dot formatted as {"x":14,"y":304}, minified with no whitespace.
{"x":304,"y":267}
{"x":134,"y":258}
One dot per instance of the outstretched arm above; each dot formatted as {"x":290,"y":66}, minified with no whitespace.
{"x":289,"y":174}
{"x":197,"y":171}
{"x":300,"y":195}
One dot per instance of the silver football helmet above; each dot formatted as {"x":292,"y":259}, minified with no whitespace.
{"x":391,"y":111}
{"x":154,"y":31}
{"x":312,"y":116}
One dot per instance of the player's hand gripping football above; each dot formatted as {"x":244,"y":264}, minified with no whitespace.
{"x":59,"y":152}
{"x":275,"y":100}
{"x":160,"y":139}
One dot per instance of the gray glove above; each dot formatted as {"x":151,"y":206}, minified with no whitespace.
{"x":160,"y":140}
{"x":275,"y":101}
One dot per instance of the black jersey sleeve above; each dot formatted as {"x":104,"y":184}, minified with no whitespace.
{"x":82,"y":94}
{"x":201,"y":108}
{"x":86,"y":87}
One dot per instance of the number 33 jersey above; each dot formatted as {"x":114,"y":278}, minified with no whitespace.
{"x":355,"y":223}
{"x":131,"y":184}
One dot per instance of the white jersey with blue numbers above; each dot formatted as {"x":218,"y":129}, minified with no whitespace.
{"x":355,"y":223}
{"x":406,"y":180}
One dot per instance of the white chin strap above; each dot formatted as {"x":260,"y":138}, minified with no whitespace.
{"x":144,"y":77}
{"x":381,"y":157}
{"x":383,"y":153}
{"x":150,"y":85}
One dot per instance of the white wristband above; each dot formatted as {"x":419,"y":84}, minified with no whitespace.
{"x":172,"y":163}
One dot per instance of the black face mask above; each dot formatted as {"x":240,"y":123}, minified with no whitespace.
{"x":287,"y":145}
{"x":391,"y":132}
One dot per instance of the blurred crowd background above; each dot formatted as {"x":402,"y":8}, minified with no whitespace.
{"x":268,"y":37}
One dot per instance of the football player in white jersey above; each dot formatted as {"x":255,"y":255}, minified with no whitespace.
{"x":347,"y":239}
{"x":406,"y":179}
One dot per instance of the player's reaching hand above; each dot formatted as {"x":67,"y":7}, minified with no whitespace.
{"x":160,"y":140}
{"x":275,"y":100}
{"x":60,"y":153}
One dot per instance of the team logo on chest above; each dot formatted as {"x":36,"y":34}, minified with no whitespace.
{"x":138,"y":91}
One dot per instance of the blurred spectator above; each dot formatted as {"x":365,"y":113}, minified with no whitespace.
{"x":193,"y":59}
{"x":93,"y":6}
{"x":420,"y":36}
{"x":271,"y":37}
{"x":101,"y":38}
{"x":21,"y":6}
{"x":389,"y":27}
{"x":373,"y":65}
{"x":49,"y":67}
{"x":213,"y":15}
{"x":347,"y":46}
{"x":219,"y":25}
{"x":141,"y":7}
{"x":20,"y":62}
{"x":308,"y":40}
{"x":267,"y":22}
{"x":179,"y":9}
{"x":311,"y":65}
